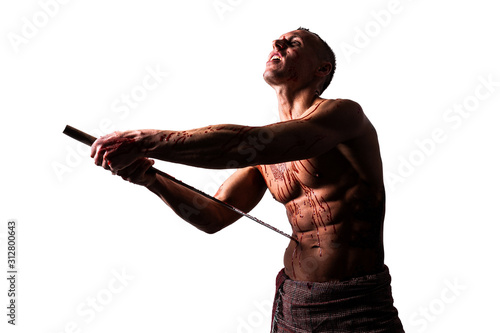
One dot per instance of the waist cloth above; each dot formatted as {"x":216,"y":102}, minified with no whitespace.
{"x":362,"y":304}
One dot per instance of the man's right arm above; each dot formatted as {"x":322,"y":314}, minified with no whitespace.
{"x":244,"y":189}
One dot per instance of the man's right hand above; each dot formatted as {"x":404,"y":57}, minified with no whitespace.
{"x":137,"y":172}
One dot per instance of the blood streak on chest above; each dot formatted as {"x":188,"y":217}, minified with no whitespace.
{"x":294,"y":212}
{"x":320,"y":209}
{"x":312,"y":170}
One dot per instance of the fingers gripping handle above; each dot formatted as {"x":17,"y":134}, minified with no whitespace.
{"x":89,"y":140}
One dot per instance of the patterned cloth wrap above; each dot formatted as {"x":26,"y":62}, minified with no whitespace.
{"x":360,"y":305}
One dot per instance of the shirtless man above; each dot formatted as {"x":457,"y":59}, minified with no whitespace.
{"x":321,"y":161}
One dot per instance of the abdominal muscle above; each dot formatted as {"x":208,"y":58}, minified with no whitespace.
{"x":338,"y":224}
{"x":324,"y":255}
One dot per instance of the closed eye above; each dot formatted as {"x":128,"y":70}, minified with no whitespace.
{"x":294,"y":41}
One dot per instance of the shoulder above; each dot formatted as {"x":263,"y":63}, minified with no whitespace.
{"x":334,"y":106}
{"x":341,"y":104}
{"x":338,"y":112}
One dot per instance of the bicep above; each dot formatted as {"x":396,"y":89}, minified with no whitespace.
{"x":243,"y":190}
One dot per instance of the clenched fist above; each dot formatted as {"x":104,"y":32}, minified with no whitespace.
{"x":118,"y":150}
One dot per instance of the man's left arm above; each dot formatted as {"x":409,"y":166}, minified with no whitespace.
{"x":235,"y":146}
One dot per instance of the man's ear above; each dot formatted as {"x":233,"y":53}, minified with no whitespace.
{"x":324,"y":69}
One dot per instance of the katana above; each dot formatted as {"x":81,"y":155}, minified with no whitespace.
{"x":89,"y":140}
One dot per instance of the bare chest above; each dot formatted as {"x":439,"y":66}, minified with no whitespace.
{"x":288,"y":181}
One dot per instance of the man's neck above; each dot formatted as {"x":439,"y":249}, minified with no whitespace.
{"x":292,"y":104}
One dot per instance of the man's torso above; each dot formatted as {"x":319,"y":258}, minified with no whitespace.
{"x":335,"y":204}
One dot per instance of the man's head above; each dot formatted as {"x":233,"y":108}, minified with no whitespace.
{"x":301,"y":55}
{"x":326,"y":54}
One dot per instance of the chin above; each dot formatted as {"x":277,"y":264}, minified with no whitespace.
{"x":272,"y":77}
{"x":267,"y":76}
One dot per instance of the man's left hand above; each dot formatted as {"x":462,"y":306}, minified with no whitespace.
{"x":118,"y":150}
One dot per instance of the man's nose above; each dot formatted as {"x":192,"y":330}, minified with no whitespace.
{"x":279,"y":44}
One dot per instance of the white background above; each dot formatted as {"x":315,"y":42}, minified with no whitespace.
{"x":80,"y":226}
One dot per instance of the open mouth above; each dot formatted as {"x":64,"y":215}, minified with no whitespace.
{"x":275,"y":57}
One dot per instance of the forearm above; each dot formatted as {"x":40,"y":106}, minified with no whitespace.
{"x":215,"y":147}
{"x":192,"y":207}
